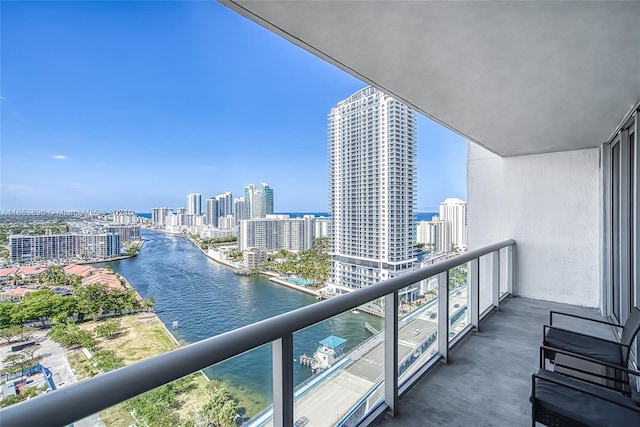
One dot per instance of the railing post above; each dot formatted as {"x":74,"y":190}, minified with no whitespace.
{"x":474,"y":288}
{"x":495,"y":279}
{"x":443,"y":315}
{"x":391,"y":352}
{"x":510,"y":264}
{"x":283,"y":381}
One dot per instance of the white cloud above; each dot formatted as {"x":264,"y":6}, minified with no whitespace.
{"x":59,"y":157}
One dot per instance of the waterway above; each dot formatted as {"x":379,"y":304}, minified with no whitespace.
{"x":206,"y":299}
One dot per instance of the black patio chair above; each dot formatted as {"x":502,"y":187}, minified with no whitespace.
{"x":558,"y":401}
{"x":598,"y":348}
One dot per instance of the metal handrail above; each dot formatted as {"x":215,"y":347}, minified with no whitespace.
{"x":85,"y":398}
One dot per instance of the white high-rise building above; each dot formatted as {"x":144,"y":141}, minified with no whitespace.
{"x":225,"y":204}
{"x":455,"y":211}
{"x":435,"y":234}
{"x":211,"y":212}
{"x":194,"y":204}
{"x":372,"y":178}
{"x":277,"y":232}
{"x":258,"y":202}
{"x":239,"y":209}
{"x":159,"y":215}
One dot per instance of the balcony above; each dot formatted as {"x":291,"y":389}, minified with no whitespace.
{"x":360,"y":387}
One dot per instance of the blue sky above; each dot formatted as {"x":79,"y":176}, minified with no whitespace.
{"x":133,"y":105}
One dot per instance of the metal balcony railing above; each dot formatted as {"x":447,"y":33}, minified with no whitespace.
{"x":82,"y":399}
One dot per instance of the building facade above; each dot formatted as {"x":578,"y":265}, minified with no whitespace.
{"x":455,"y":211}
{"x":63,"y":246}
{"x":211,"y":212}
{"x":159,"y":215}
{"x":258,"y":202}
{"x":277,"y":232}
{"x":194,"y":204}
{"x":225,"y":204}
{"x":372,"y":185}
{"x":435,"y":235}
{"x":126,"y":232}
{"x":239,"y":209}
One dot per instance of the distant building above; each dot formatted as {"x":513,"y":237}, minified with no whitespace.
{"x":276,"y":232}
{"x":226,"y":222}
{"x":159,"y":215}
{"x":252,"y":257}
{"x":225,"y":204}
{"x":63,"y":246}
{"x":126,"y":232}
{"x":372,"y":187}
{"x":239,"y":209}
{"x":322,"y":227}
{"x":455,"y":211}
{"x":258,"y":201}
{"x":211,"y":212}
{"x":194,"y":204}
{"x":123,"y":217}
{"x":434,"y":234}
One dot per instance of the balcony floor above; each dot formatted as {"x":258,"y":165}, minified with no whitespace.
{"x":488,"y":378}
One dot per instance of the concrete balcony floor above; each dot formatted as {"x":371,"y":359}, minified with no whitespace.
{"x":488,"y":378}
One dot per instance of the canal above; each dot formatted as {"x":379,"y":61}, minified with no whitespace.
{"x":206,"y":299}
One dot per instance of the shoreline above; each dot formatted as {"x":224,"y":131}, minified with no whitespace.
{"x":273,"y":277}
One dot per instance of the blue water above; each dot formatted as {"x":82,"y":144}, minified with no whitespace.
{"x":206,"y":299}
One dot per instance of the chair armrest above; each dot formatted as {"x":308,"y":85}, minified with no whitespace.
{"x":559,"y":313}
{"x":545,"y":327}
{"x":544,"y":375}
{"x":544,"y":348}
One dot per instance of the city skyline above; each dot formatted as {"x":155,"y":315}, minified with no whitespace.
{"x":183,"y":98}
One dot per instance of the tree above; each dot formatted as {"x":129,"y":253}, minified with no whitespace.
{"x":70,"y":335}
{"x":108,"y":328}
{"x":148,"y":303}
{"x":107,"y":360}
{"x":8,"y":334}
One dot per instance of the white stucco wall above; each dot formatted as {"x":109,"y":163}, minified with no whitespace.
{"x":549,"y":204}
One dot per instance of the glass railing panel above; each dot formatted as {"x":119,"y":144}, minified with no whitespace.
{"x":339,"y":367}
{"x":459,"y":300}
{"x":417,"y":327}
{"x":485,"y":299}
{"x":504,"y":287}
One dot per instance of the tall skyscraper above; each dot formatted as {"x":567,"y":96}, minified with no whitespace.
{"x":372,"y":178}
{"x":239,"y":209}
{"x":455,"y":211}
{"x":225,"y":204}
{"x":258,"y":201}
{"x":211,"y":212}
{"x":194,"y":204}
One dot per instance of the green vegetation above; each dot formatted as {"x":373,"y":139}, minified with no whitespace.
{"x":29,"y":227}
{"x":107,"y":360}
{"x":87,"y":302}
{"x":235,"y":256}
{"x":10,"y":400}
{"x":108,"y":328}
{"x":217,"y":241}
{"x":133,"y":250}
{"x":457,"y":276}
{"x":70,"y":335}
{"x":311,"y":264}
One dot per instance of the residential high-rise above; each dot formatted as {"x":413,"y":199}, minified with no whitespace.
{"x":211,"y":212}
{"x":258,"y":201}
{"x":194,"y":204}
{"x":239,"y":209}
{"x":372,"y":178}
{"x":455,"y":211}
{"x":225,"y":204}
{"x":435,"y":234}
{"x":159,"y":215}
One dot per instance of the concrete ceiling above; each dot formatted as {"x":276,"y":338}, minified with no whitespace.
{"x":515,"y":77}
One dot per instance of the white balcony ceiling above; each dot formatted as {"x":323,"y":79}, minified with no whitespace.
{"x":516,"y":77}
